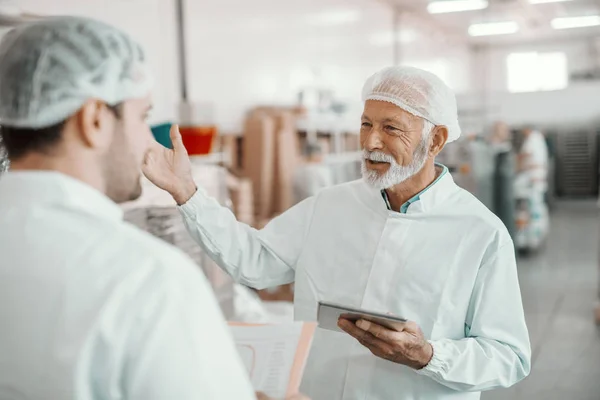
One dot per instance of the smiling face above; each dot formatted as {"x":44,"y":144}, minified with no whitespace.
{"x":395,"y":143}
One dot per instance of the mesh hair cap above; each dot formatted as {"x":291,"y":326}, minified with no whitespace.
{"x":418,"y":92}
{"x":50,"y":68}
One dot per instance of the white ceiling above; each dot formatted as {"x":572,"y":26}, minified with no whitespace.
{"x":533,"y":19}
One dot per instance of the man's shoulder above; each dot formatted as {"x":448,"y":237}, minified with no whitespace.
{"x":139,"y":243}
{"x":344,"y":188}
{"x":467,"y":206}
{"x":137,"y":252}
{"x":149,"y":266}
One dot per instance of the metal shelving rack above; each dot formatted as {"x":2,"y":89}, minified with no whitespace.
{"x":577,"y":163}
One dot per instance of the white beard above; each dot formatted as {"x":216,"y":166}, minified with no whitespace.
{"x":396,"y":173}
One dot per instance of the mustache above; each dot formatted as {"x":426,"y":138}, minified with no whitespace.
{"x":378,"y":156}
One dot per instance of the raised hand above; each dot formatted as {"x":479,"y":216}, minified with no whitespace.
{"x":170,"y":170}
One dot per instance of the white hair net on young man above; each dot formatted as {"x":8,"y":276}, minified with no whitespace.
{"x":49,"y":69}
{"x":418,"y":92}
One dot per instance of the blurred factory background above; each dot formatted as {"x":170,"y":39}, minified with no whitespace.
{"x":267,"y":94}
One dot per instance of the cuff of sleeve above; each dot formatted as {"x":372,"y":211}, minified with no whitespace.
{"x":191,"y":209}
{"x":439,"y":364}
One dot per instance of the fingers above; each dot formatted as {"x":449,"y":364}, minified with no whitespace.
{"x":412,"y":328}
{"x":377,"y":330}
{"x":376,"y":346}
{"x":147,"y":158}
{"x":176,"y":138}
{"x":359,"y":334}
{"x":153,"y":149}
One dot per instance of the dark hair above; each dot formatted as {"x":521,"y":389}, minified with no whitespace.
{"x":20,"y":141}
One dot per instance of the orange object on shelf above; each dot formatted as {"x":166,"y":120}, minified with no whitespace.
{"x":198,"y":140}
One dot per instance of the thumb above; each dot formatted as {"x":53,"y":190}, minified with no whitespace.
{"x":176,"y":139}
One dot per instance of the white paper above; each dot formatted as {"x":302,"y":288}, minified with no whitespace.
{"x":268,"y":354}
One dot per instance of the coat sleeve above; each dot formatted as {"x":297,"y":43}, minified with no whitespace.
{"x":256,"y":258}
{"x":496,"y":352}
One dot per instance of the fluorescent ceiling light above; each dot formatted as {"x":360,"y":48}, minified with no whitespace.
{"x":575,"y":22}
{"x":546,"y":1}
{"x":493,"y":28}
{"x":330,"y":18}
{"x":448,"y":6}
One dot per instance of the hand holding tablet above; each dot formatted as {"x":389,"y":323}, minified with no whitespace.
{"x":390,"y":338}
{"x":329,"y":314}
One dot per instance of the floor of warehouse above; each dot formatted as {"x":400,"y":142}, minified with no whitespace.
{"x":560,"y":286}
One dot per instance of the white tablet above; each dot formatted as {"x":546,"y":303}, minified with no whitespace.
{"x":329,"y":313}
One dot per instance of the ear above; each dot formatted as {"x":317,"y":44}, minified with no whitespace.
{"x":439,"y":139}
{"x":95,"y":123}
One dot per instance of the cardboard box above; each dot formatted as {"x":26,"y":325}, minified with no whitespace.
{"x":258,"y":159}
{"x":287,"y":159}
{"x":242,"y":197}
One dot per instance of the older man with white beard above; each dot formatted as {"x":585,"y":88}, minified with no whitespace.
{"x":404,"y":240}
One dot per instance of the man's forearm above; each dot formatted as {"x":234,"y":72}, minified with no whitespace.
{"x":236,"y":247}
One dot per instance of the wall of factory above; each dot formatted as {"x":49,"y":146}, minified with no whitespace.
{"x":150,"y":22}
{"x":424,"y":44}
{"x":244,"y":53}
{"x":266,"y":51}
{"x":577,"y":104}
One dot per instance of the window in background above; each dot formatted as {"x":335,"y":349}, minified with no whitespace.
{"x":532,"y":72}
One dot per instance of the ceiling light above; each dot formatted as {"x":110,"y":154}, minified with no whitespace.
{"x":448,"y":6}
{"x":546,"y":1}
{"x":493,"y":28}
{"x":575,"y":22}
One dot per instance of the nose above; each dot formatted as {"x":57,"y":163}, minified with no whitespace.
{"x":373,"y":141}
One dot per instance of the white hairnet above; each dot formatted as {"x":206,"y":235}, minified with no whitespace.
{"x":418,"y":92}
{"x":49,"y":69}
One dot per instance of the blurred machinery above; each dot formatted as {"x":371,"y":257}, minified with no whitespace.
{"x":3,"y":158}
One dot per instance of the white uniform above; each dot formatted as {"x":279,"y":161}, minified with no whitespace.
{"x":536,"y":165}
{"x":447,"y":263}
{"x":532,"y":184}
{"x":92,"y":308}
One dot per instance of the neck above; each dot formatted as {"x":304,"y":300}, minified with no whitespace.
{"x":72,"y":166}
{"x":401,"y":193}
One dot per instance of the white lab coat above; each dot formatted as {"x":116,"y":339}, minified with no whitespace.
{"x":447,"y":264}
{"x":91,"y":308}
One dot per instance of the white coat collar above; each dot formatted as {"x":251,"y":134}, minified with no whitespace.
{"x":436,"y":195}
{"x":56,"y":189}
